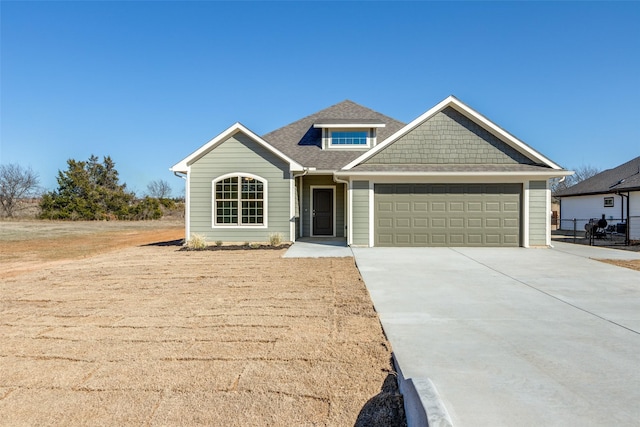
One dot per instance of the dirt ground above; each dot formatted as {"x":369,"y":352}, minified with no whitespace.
{"x":632,"y":264}
{"x":105,"y":325}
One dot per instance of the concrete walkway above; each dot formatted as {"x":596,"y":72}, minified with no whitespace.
{"x":505,"y":337}
{"x":319,"y":248}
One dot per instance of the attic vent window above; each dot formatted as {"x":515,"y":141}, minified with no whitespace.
{"x":346,"y":134}
{"x":349,"y":138}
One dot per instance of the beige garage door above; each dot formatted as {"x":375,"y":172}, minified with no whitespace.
{"x":447,"y":214}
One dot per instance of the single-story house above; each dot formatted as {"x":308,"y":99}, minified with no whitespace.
{"x":451,"y":177}
{"x":614,"y":193}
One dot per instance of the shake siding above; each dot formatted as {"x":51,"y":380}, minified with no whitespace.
{"x":538,"y":215}
{"x":322,"y":180}
{"x":449,"y":138}
{"x":239,"y":154}
{"x":360,"y":213}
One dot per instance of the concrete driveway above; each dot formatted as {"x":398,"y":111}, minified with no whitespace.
{"x":512,"y":336}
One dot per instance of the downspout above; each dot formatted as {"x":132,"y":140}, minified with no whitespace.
{"x":347,"y":208}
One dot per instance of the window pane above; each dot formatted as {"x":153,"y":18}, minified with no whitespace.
{"x":239,"y":193}
{"x":349,"y":138}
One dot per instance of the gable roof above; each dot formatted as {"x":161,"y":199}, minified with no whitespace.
{"x":473,"y":115}
{"x":302,"y":141}
{"x":183,"y":165}
{"x":625,"y":177}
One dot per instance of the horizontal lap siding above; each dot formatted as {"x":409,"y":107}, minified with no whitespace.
{"x":360,"y":221}
{"x":538,"y":215}
{"x":239,"y":154}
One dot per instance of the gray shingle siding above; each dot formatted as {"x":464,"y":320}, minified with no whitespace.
{"x":360,"y":221}
{"x":449,"y":138}
{"x":538,"y":215}
{"x":239,"y":154}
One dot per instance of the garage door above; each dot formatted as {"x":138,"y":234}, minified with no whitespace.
{"x":447,"y":214}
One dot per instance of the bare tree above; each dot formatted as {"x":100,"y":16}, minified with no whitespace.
{"x":581,"y":173}
{"x":16,"y":183}
{"x":159,"y":189}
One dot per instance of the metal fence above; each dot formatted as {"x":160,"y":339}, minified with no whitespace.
{"x":591,"y":231}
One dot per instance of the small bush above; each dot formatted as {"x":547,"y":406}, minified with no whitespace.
{"x":218,"y":242}
{"x":197,"y":242}
{"x":275,"y":239}
{"x":254,"y":245}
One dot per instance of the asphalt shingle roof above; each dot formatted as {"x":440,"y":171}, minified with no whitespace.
{"x":303,"y":143}
{"x":625,"y":177}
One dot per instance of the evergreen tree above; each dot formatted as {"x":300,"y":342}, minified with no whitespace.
{"x":89,"y":190}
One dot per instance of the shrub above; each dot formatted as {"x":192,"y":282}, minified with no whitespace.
{"x":197,"y":242}
{"x":218,"y":242}
{"x":254,"y":245}
{"x":275,"y":239}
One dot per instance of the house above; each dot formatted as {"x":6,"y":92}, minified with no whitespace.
{"x":614,"y":193}
{"x":450,"y":177}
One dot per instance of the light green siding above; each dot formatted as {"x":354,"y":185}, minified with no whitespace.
{"x":239,"y":154}
{"x":448,"y":138}
{"x":538,"y":215}
{"x":322,"y":181}
{"x":360,"y":213}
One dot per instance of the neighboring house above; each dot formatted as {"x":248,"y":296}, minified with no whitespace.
{"x":451,"y":177}
{"x":614,"y":193}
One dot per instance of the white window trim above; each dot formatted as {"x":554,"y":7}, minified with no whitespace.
{"x":327,"y":137}
{"x":311,"y":188}
{"x":611,"y":200}
{"x":265,"y":202}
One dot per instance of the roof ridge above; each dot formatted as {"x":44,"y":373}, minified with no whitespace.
{"x":334,"y":106}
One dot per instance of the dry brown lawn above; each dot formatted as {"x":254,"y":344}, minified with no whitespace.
{"x":632,"y":264}
{"x":97,"y":328}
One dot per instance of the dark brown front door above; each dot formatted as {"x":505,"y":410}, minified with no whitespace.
{"x":322,"y":212}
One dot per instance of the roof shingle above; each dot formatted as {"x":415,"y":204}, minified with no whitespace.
{"x":303,"y":143}
{"x":625,"y":177}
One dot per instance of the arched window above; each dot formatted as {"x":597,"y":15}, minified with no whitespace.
{"x":239,"y":200}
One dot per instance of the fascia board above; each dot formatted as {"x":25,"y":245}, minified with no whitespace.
{"x":452,"y":101}
{"x":184,"y":164}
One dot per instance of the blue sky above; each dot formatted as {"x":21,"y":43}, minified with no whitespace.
{"x":149,"y":82}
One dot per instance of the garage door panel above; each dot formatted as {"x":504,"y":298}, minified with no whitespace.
{"x":439,"y":239}
{"x":420,"y":222}
{"x":492,"y":223}
{"x":403,"y":239}
{"x":385,"y":207}
{"x":438,"y":206}
{"x":421,"y":239}
{"x":447,"y":214}
{"x":403,"y":222}
{"x":420,"y":207}
{"x":456,"y":222}
{"x":438,"y":222}
{"x":474,"y":223}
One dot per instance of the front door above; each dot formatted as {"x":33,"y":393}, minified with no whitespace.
{"x":322,"y":212}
